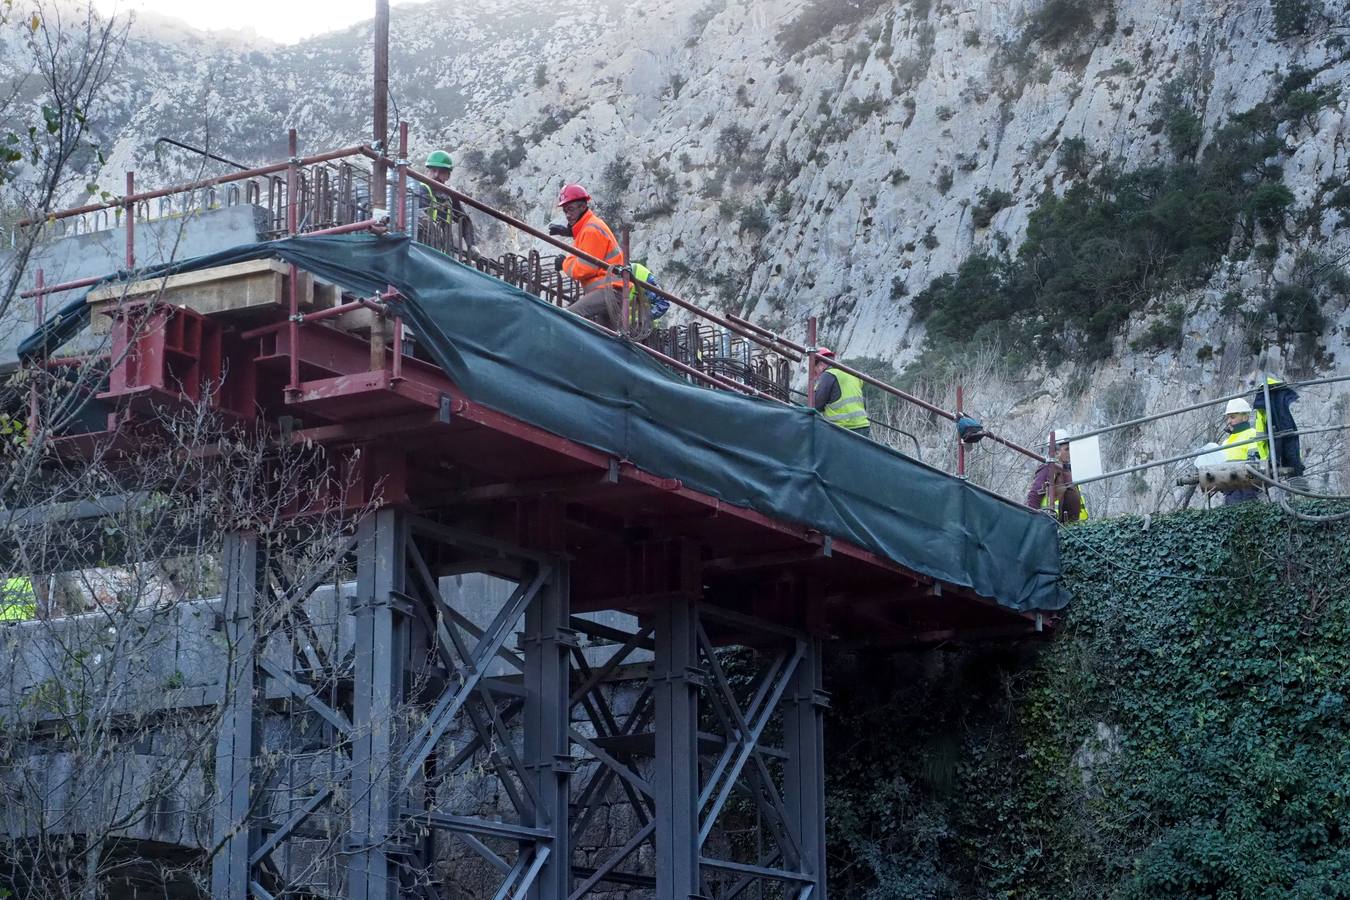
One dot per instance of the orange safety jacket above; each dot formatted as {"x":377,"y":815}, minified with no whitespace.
{"x":591,"y":235}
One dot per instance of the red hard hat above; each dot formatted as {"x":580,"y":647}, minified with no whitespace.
{"x":572,"y":192}
{"x":825,"y":351}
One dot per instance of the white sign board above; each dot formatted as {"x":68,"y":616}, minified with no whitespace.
{"x":1086,"y":458}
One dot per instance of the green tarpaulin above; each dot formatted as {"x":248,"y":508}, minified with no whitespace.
{"x":514,"y":353}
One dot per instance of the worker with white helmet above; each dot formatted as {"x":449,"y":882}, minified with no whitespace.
{"x":1238,"y":419}
{"x":1052,"y":488}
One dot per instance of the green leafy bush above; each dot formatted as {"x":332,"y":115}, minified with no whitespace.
{"x":1184,"y":734}
{"x":820,"y":17}
{"x":1268,"y":203}
{"x":754,"y":219}
{"x":1164,"y":332}
{"x":1059,"y":21}
{"x":1293,"y":18}
{"x":1073,"y":156}
{"x":988,"y":206}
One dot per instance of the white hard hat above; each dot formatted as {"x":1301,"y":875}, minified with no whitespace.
{"x":1239,"y":406}
{"x":1062,"y":435}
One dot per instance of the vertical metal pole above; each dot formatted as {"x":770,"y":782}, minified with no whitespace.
{"x":1270,"y":430}
{"x":292,"y":224}
{"x":804,"y":771}
{"x":131,"y":221}
{"x":546,"y":718}
{"x":377,"y":692}
{"x":402,"y":202}
{"x":960,"y":444}
{"x":676,"y":679}
{"x":626,"y":233}
{"x":379,"y":183}
{"x":39,"y":308}
{"x":811,"y":361}
{"x":237,"y":737}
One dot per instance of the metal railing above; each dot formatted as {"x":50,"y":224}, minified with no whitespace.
{"x":332,"y":193}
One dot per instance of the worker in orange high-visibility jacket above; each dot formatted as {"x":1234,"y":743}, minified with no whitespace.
{"x":600,"y":286}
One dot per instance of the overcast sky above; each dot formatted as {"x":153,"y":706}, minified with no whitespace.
{"x":283,"y":21}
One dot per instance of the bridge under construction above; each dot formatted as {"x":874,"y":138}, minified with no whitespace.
{"x":648,"y":500}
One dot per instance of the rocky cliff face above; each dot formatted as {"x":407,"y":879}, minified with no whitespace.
{"x":788,"y":157}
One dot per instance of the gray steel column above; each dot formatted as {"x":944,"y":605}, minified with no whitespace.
{"x":676,"y":680}
{"x":237,"y":738}
{"x":804,"y":771}
{"x":377,"y":695}
{"x":546,"y":718}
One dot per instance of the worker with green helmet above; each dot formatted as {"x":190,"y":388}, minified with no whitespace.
{"x":839,"y":395}
{"x":442,"y":210}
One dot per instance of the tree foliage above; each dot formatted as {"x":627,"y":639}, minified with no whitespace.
{"x":1103,"y":250}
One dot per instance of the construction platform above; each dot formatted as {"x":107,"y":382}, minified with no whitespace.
{"x":482,"y":432}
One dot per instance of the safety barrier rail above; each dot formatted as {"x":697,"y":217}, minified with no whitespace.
{"x":333,"y":194}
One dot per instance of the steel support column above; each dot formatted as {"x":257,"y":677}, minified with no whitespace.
{"x":235,"y":836}
{"x":380,"y":651}
{"x":804,"y":770}
{"x":548,"y":643}
{"x":676,"y":681}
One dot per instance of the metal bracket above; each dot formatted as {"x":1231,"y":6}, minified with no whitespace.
{"x":444,"y":404}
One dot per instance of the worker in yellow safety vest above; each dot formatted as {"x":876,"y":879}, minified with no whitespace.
{"x":1052,"y":488}
{"x":444,"y":211}
{"x":17,"y":600}
{"x":839,"y":395}
{"x":1238,"y":423}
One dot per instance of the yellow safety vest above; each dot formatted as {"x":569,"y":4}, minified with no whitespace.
{"x":1259,"y":417}
{"x":1241,"y":454}
{"x":438,"y":205}
{"x":848,"y":411}
{"x":17,"y":601}
{"x":1082,"y":504}
{"x":640,"y":275}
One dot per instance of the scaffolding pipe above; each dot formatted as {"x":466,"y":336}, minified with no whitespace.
{"x":401,"y":221}
{"x":1181,"y":457}
{"x":811,"y":362}
{"x":359,"y":150}
{"x":292,"y":220}
{"x":1142,"y":420}
{"x":40,"y":291}
{"x":131,"y":221}
{"x":363,"y":225}
{"x":960,"y":444}
{"x":39,"y":307}
{"x":379,"y":184}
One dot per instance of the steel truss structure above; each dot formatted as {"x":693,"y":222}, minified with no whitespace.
{"x":712,"y":760}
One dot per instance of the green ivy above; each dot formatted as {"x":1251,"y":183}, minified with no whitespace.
{"x":1185,"y":733}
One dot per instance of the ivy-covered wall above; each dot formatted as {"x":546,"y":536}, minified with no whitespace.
{"x":1184,"y":734}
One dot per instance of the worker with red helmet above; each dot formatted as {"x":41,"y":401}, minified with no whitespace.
{"x":592,"y":236}
{"x":839,"y":395}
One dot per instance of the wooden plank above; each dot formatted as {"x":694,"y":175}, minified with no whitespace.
{"x":223,"y":291}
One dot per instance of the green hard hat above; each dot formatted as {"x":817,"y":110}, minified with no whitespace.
{"x":439,"y":159}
